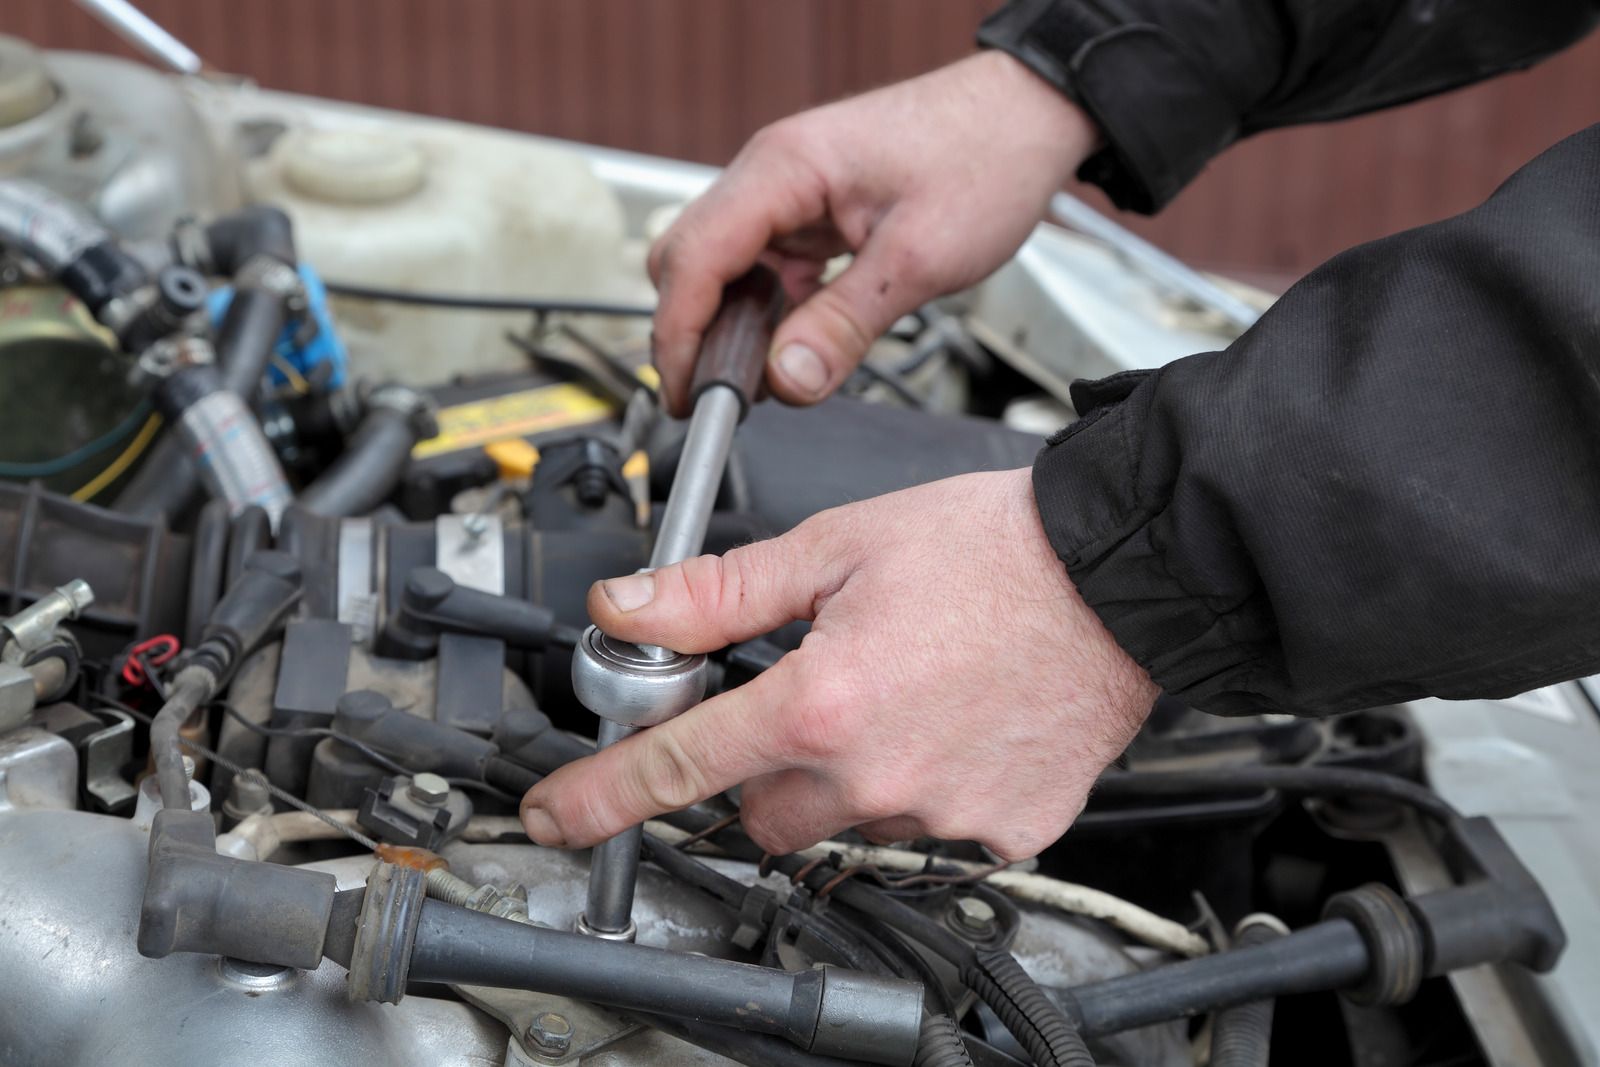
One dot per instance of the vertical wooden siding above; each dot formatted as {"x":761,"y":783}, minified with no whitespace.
{"x":693,"y":78}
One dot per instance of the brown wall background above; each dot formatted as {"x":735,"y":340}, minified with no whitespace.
{"x":693,"y":78}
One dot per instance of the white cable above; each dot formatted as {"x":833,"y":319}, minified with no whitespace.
{"x":1138,"y":923}
{"x":266,"y":833}
{"x":1074,"y":899}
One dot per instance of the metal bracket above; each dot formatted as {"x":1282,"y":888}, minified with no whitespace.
{"x":593,"y":1028}
{"x":105,"y":753}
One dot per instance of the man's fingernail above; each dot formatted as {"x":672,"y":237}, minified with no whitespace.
{"x":630,"y":593}
{"x":804,"y":368}
{"x":541,"y":827}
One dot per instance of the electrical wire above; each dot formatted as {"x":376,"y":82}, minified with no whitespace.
{"x":135,"y":449}
{"x":893,"y":384}
{"x":297,"y":381}
{"x":368,"y":752}
{"x":275,"y":790}
{"x":466,"y":302}
{"x":46,"y":468}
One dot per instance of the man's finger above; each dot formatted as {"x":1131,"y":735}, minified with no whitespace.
{"x":824,"y":339}
{"x":683,"y":761}
{"x":888,"y":831}
{"x":793,"y":809}
{"x":708,"y":602}
{"x":718,"y":238}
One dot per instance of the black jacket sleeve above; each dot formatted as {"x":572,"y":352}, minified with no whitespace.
{"x":1388,"y":488}
{"x":1173,"y":82}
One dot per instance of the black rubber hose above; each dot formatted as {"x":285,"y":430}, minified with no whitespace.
{"x":167,"y":483}
{"x":369,"y":468}
{"x":691,"y":871}
{"x":835,"y":1011}
{"x":208,"y":564}
{"x":509,"y":775}
{"x":249,"y":532}
{"x":1315,"y":781}
{"x":246,"y":337}
{"x":940,"y":1043}
{"x":1325,"y":956}
{"x":257,"y":230}
{"x":1242,"y":1035}
{"x":68,"y":242}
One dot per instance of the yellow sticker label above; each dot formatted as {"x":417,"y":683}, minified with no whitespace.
{"x":480,"y":422}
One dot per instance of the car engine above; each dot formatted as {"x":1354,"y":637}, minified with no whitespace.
{"x":318,"y":424}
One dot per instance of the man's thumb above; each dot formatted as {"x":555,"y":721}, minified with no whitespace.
{"x":824,"y":339}
{"x":711,"y":601}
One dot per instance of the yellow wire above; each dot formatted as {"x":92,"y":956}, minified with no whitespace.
{"x":297,"y":381}
{"x":135,"y":449}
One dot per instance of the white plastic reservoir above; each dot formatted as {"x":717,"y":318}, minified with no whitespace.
{"x":445,"y":208}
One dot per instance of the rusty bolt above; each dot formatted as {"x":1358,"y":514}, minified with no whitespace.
{"x":551,"y":1032}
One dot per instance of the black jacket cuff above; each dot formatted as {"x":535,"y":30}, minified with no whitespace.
{"x":1162,"y":115}
{"x":1092,"y":500}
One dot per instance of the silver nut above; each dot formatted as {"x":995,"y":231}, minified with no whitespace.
{"x":622,"y":683}
{"x":429,"y":789}
{"x":974,"y":915}
{"x":551,"y":1033}
{"x":78,"y":594}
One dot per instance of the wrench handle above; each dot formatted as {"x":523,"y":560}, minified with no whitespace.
{"x":734,"y":351}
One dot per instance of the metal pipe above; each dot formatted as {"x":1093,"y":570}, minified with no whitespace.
{"x":144,"y":34}
{"x":1152,"y":261}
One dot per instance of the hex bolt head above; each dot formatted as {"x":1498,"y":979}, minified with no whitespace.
{"x":551,"y":1032}
{"x":974,"y":915}
{"x":429,"y":789}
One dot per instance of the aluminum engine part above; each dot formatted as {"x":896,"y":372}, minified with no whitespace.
{"x":68,"y":942}
{"x":126,"y":141}
{"x":38,"y":769}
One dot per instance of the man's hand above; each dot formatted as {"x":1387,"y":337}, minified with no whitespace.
{"x":933,"y":183}
{"x":953,"y":683}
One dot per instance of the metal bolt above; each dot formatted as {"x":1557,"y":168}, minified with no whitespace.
{"x":974,"y":915}
{"x":188,"y":767}
{"x":250,"y":792}
{"x":448,"y":887}
{"x":551,"y":1033}
{"x":429,"y":789}
{"x":475,"y":525}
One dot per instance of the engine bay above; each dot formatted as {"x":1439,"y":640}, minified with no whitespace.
{"x":319,"y":424}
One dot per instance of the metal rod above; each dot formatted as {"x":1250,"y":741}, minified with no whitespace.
{"x":1155,"y":263}
{"x":143,"y":33}
{"x":699,"y":476}
{"x":614,"y":864}
{"x":613,"y":868}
